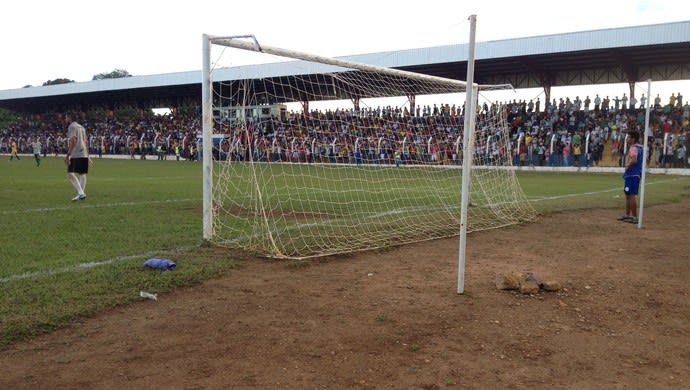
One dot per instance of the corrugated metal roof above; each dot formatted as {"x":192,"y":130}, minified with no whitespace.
{"x":586,"y":40}
{"x":657,"y":34}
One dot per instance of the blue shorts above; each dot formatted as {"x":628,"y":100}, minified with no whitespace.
{"x":631,"y":185}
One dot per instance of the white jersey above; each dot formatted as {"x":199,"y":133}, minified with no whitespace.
{"x":36,"y":146}
{"x":78,"y":132}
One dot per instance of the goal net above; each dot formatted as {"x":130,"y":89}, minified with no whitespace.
{"x":316,"y":156}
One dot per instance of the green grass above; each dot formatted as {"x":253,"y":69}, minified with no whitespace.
{"x":336,"y":199}
{"x":552,"y":191}
{"x":62,"y":260}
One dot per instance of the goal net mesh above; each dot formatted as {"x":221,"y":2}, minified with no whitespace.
{"x":314,"y":160}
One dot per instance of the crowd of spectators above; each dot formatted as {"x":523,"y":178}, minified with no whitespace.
{"x":578,"y":132}
{"x":567,"y":132}
{"x":139,"y":138}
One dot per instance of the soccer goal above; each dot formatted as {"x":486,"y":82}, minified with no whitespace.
{"x":308,"y":156}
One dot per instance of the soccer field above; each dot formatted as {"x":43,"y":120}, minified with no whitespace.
{"x":63,"y":260}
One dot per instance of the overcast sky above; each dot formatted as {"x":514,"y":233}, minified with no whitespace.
{"x":46,"y":40}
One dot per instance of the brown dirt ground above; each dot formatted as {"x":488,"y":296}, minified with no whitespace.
{"x":392,"y":319}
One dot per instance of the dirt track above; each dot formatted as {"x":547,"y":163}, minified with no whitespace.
{"x":393,"y":320}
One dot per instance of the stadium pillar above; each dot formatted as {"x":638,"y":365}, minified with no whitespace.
{"x":305,"y":108}
{"x":355,"y":104}
{"x":411,"y":99}
{"x":547,"y":91}
{"x":631,"y":85}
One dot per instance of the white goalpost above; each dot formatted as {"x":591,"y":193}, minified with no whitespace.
{"x":470,"y":103}
{"x":645,"y":146}
{"x":369,"y":169}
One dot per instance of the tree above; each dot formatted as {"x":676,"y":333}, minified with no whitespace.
{"x":7,"y":118}
{"x":115,"y":74}
{"x":58,"y":81}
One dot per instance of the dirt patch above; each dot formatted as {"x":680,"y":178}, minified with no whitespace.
{"x":393,"y":319}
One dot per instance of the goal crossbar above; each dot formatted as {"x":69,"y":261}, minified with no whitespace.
{"x":453,"y":84}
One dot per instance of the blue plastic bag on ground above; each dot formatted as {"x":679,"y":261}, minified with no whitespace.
{"x":162,"y":264}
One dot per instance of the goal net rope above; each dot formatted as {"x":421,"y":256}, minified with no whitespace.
{"x":318,"y":156}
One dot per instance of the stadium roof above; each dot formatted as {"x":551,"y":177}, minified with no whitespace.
{"x":616,"y":55}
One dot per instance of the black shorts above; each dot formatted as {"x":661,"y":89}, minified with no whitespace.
{"x":78,"y":165}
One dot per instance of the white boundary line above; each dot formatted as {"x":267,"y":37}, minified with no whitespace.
{"x":90,"y":264}
{"x":555,"y":197}
{"x":81,"y":205}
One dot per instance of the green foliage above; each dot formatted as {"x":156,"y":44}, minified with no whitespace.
{"x":128,"y":112}
{"x":115,"y":74}
{"x":57,"y":81}
{"x":187,"y":110}
{"x":7,"y":118}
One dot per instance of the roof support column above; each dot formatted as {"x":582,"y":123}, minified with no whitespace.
{"x":631,"y":85}
{"x":411,"y":99}
{"x":355,"y":104}
{"x":547,"y":91}
{"x":305,"y":108}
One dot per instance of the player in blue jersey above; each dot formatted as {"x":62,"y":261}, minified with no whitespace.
{"x":632,"y":175}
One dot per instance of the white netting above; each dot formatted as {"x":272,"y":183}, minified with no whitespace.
{"x":304,"y":183}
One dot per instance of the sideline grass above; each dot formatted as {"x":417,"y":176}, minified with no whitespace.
{"x":562,"y":191}
{"x":64,"y":260}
